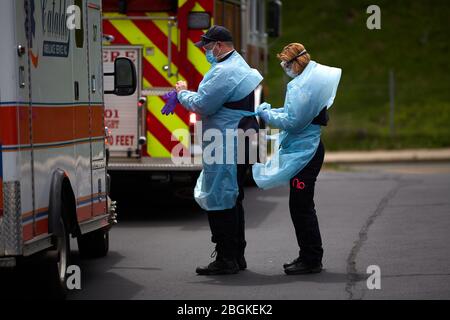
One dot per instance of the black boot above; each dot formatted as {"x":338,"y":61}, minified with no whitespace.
{"x":240,"y":258}
{"x":289,"y":264}
{"x":242,"y":263}
{"x":301,"y":267}
{"x":223,"y":226}
{"x":220,"y":266}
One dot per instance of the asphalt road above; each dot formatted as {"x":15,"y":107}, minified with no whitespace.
{"x":396,"y":217}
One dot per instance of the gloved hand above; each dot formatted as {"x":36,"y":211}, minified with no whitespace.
{"x":264,"y":114}
{"x":263,"y":106}
{"x":171,"y":102}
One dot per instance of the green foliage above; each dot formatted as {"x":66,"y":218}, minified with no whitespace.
{"x":413,"y":42}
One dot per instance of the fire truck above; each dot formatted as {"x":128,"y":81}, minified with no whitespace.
{"x":159,"y":37}
{"x":53,"y":180}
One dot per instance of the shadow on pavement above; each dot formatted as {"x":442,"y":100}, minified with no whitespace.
{"x":101,"y":281}
{"x":32,"y":278}
{"x":250,"y":278}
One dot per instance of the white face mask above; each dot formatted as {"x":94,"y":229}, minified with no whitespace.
{"x":288,"y":70}
{"x":290,"y":73}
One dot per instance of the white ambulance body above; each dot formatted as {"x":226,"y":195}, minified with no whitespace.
{"x":53,"y":180}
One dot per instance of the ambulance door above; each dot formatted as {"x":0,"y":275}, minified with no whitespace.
{"x":95,"y":70}
{"x":80,"y":85}
{"x":53,"y":109}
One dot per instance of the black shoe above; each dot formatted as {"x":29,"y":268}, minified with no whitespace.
{"x":288,"y":264}
{"x":219,"y":266}
{"x":302,"y":268}
{"x":242,"y":263}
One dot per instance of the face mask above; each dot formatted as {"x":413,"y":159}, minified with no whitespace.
{"x":288,"y":70}
{"x":290,"y":73}
{"x":285,"y":64}
{"x":210,"y":56}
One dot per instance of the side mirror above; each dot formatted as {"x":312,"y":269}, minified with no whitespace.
{"x":274,"y":18}
{"x":125,"y":82}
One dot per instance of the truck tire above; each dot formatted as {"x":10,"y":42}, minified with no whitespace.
{"x":59,"y":260}
{"x":94,"y":244}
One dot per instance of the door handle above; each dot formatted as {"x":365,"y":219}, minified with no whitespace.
{"x":93,"y":84}
{"x":22,"y":77}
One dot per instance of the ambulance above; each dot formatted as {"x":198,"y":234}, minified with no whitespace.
{"x":53,"y":180}
{"x":159,"y":36}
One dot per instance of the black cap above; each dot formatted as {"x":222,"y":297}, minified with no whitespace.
{"x":215,"y":33}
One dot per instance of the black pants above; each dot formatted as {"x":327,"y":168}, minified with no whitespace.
{"x":228,"y":226}
{"x":303,"y":212}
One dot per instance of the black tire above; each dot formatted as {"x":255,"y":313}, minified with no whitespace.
{"x":59,"y":260}
{"x":94,"y":244}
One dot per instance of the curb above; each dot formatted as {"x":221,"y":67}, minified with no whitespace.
{"x":385,"y":156}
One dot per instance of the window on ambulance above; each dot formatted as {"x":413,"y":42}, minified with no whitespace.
{"x":199,"y":20}
{"x":79,"y":33}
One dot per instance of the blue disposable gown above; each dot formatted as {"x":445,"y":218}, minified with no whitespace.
{"x":227,"y":81}
{"x":307,"y":94}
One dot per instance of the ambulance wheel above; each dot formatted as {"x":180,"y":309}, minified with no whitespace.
{"x":94,"y":244}
{"x":59,"y":262}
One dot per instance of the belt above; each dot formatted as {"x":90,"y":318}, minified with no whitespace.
{"x":247,"y":104}
{"x":322,"y":118}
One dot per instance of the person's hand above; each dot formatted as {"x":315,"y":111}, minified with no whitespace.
{"x":263,"y":106}
{"x":181,"y":85}
{"x":264,"y":114}
{"x":171,"y":102}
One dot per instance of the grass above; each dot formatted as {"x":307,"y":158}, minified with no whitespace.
{"x":413,"y":42}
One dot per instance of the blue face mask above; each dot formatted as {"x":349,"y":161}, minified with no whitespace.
{"x":210,"y":57}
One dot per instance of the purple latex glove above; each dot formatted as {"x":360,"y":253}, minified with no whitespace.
{"x":171,"y":102}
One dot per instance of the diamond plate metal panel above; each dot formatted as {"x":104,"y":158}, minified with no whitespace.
{"x":2,"y":240}
{"x":11,"y":226}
